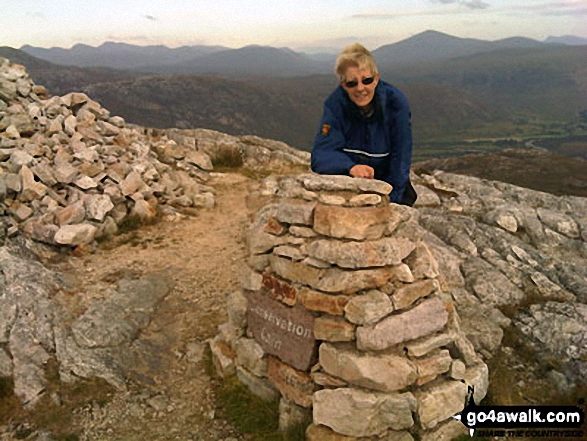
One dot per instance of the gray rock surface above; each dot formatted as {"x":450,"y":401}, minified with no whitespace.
{"x":26,"y":320}
{"x":557,"y":332}
{"x":35,"y":328}
{"x":498,"y":246}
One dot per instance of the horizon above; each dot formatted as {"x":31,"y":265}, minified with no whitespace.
{"x":299,"y":49}
{"x":299,"y":25}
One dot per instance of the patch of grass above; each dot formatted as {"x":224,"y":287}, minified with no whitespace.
{"x":249,"y":413}
{"x":134,"y":222}
{"x":54,"y":410}
{"x":9,"y":403}
{"x":128,"y":232}
{"x":6,"y":387}
{"x":228,"y":158}
{"x":297,"y":432}
{"x":207,"y":362}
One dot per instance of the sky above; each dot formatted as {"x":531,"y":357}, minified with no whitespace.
{"x":296,"y":24}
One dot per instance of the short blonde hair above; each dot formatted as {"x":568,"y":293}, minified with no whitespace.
{"x":355,"y":55}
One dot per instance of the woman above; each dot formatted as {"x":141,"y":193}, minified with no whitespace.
{"x":365,"y":131}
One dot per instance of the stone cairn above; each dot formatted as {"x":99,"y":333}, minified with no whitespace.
{"x":71,"y":173}
{"x":343,"y":317}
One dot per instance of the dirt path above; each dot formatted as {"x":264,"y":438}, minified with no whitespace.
{"x":170,"y":395}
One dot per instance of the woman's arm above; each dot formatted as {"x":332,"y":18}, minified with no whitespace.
{"x":327,"y":155}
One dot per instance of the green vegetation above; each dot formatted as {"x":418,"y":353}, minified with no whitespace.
{"x":248,"y":413}
{"x":561,"y":137}
{"x":54,"y":410}
{"x":227,"y":158}
{"x":253,"y":416}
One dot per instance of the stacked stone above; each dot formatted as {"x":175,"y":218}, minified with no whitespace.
{"x":71,"y":173}
{"x":384,"y":357}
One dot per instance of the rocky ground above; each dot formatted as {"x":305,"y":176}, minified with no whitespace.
{"x":102,"y":333}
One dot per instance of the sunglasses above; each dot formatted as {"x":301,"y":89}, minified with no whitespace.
{"x":355,"y":83}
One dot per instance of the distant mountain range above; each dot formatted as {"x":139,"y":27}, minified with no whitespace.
{"x":120,"y":55}
{"x":433,"y":45}
{"x":270,"y":61}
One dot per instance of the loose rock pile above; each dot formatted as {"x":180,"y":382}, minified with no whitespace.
{"x":71,"y":173}
{"x":340,"y":276}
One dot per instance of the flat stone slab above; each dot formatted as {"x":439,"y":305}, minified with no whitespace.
{"x":294,"y":385}
{"x":331,"y":280}
{"x":428,"y":317}
{"x":352,"y":223}
{"x":315,"y":182}
{"x":440,"y":402}
{"x":354,"y":412}
{"x":119,"y":318}
{"x":385,"y":372}
{"x":354,"y":255}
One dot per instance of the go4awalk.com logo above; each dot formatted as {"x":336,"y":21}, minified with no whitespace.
{"x":523,"y":421}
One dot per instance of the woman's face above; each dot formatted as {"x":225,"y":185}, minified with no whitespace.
{"x":361,"y":94}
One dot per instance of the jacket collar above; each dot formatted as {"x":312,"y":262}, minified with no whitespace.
{"x":354,"y":111}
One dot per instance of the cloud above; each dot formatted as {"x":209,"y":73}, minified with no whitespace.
{"x":557,"y":8}
{"x":476,"y":4}
{"x":579,"y":11}
{"x":399,"y":14}
{"x":335,"y":42}
{"x":545,"y":8}
{"x":471,"y":4}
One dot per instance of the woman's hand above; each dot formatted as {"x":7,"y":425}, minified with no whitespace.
{"x":362,"y":171}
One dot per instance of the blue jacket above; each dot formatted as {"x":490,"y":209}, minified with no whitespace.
{"x":383,"y":140}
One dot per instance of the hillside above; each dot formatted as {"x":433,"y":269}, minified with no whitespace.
{"x":528,"y":168}
{"x":550,"y":82}
{"x":251,"y":60}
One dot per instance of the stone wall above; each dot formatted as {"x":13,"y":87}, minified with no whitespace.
{"x":343,"y":317}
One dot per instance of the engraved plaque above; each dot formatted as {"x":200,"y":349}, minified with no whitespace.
{"x":282,"y":331}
